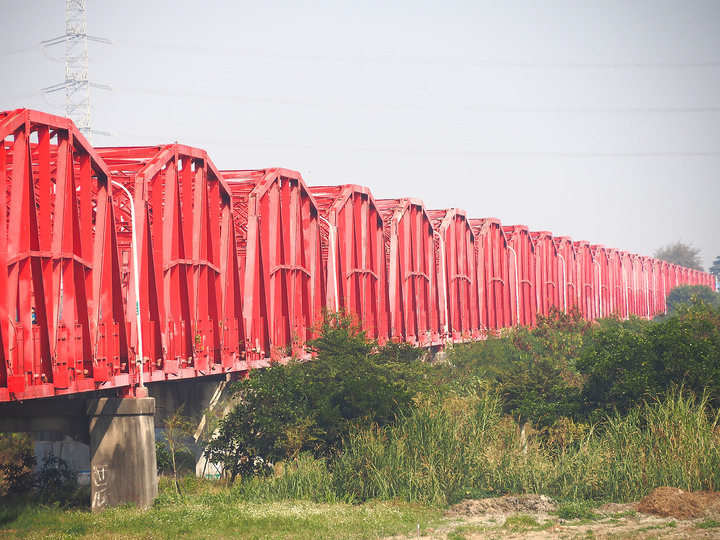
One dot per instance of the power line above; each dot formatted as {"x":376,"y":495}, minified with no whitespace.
{"x":18,"y":95}
{"x":420,"y":61}
{"x":421,"y":152}
{"x":17,"y":50}
{"x":411,"y":107}
{"x":388,"y":59}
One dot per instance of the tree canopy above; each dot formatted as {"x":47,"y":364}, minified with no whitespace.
{"x":715,"y":268}
{"x":681,"y":254}
{"x":624,"y":365}
{"x":689,"y":294}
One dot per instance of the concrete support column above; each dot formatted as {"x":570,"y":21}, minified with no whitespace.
{"x":122,"y":452}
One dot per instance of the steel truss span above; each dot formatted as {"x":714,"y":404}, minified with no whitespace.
{"x":132,"y":265}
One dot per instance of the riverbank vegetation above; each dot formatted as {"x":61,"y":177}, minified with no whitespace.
{"x":582,"y":412}
{"x":574,"y":410}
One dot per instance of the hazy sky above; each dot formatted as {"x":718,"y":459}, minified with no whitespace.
{"x":598,"y":120}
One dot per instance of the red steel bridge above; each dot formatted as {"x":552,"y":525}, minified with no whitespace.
{"x":114,"y":255}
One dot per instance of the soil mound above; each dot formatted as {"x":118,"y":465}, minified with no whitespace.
{"x":680,"y":504}
{"x":507,"y":505}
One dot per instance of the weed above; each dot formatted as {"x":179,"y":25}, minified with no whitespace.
{"x":668,"y":525}
{"x":524,"y":522}
{"x":708,"y":524}
{"x":577,"y":510}
{"x":456,"y":448}
{"x":459,"y":533}
{"x":626,"y":514}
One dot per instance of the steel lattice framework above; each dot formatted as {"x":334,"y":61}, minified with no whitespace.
{"x":548,"y":279}
{"x":62,"y":318}
{"x":523,"y":287}
{"x":187,"y":259}
{"x":77,"y":84}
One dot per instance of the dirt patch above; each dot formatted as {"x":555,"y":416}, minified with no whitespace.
{"x":666,"y":513}
{"x":679,"y":504}
{"x":507,"y":505}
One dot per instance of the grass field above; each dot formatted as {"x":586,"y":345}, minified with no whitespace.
{"x":208,"y":517}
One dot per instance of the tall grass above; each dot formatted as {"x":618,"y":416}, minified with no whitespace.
{"x":304,"y":478}
{"x":430,"y":453}
{"x":462,"y":446}
{"x":671,"y":442}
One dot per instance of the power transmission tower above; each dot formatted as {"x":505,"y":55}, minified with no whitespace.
{"x":77,"y":83}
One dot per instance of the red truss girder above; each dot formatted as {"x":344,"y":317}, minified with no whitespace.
{"x":665,"y":275}
{"x":412,"y":272}
{"x":671,"y":276}
{"x":652,"y":268}
{"x":354,"y":255}
{"x":491,"y":256}
{"x":62,"y":324}
{"x":685,"y":275}
{"x":457,"y":275}
{"x":631,"y":272}
{"x":233,"y":271}
{"x":570,"y":272}
{"x":278,"y":234}
{"x":548,"y":273}
{"x":189,"y":283}
{"x":616,"y":284}
{"x":586,"y":283}
{"x":522,"y":275}
{"x":602,"y":280}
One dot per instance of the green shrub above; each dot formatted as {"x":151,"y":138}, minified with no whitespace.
{"x":626,"y":366}
{"x":534,"y":368}
{"x":287,"y":409}
{"x":687,"y":295}
{"x":55,"y":481}
{"x":17,"y":463}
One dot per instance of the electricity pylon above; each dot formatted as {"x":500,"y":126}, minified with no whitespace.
{"x":77,"y":83}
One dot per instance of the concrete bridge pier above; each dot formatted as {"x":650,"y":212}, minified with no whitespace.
{"x":123,"y":466}
{"x":121,"y":435}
